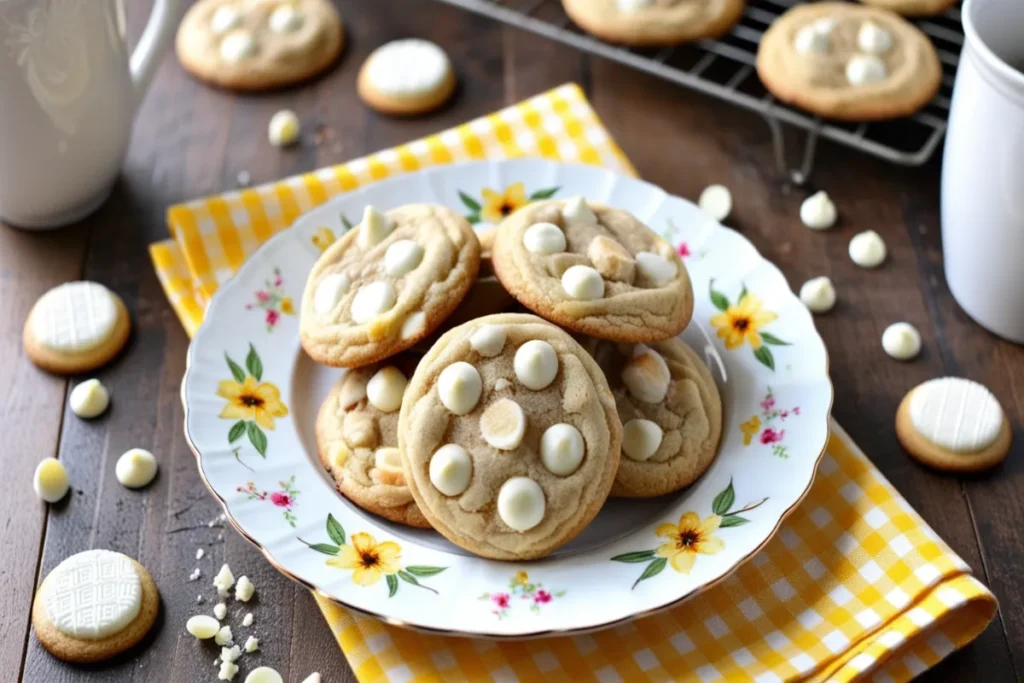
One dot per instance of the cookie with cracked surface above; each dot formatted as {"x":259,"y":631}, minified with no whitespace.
{"x":849,"y":62}
{"x":654,"y":22}
{"x":593,"y":269}
{"x":509,"y":437}
{"x":671,"y":414}
{"x":357,"y":439}
{"x":387,"y":283}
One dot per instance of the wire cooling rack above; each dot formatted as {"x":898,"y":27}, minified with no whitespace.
{"x":724,"y":68}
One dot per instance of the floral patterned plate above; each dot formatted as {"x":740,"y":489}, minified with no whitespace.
{"x":251,"y":397}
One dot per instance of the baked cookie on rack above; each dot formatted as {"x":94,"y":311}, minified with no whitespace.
{"x":593,"y":269}
{"x":509,"y":437}
{"x":848,"y":62}
{"x":654,"y":22}
{"x":913,"y":8}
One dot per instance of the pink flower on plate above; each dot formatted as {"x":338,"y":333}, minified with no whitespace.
{"x":500,"y":599}
{"x":684,"y":250}
{"x":768,"y":403}
{"x":262,"y":296}
{"x":278,"y":281}
{"x":281,"y":500}
{"x":796,"y":411}
{"x":542,"y":596}
{"x":272,"y":317}
{"x":769,"y":435}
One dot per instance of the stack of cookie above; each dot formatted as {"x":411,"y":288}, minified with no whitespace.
{"x":507,"y":431}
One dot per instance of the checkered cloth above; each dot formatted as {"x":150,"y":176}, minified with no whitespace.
{"x":854,"y":586}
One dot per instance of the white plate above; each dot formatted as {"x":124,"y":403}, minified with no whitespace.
{"x":263,"y":466}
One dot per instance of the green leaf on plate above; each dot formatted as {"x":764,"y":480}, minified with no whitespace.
{"x":718,"y":299}
{"x":473,"y":220}
{"x":325,"y":548}
{"x":635,"y":557}
{"x":236,"y":431}
{"x":770,"y":338}
{"x":733,"y":520}
{"x":346,"y":222}
{"x":764,"y":355}
{"x":423,"y":570}
{"x":743,"y":294}
{"x":236,"y":372}
{"x":724,"y":500}
{"x":653,"y":569}
{"x":472,"y":204}
{"x":392,"y":585}
{"x":544,"y":194}
{"x":335,"y":530}
{"x":254,"y":364}
{"x":407,"y":577}
{"x":257,"y":438}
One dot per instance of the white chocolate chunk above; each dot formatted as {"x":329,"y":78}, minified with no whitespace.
{"x":646,"y":375}
{"x":313,"y":678}
{"x":544,"y":238}
{"x":641,"y":439}
{"x":576,"y":210}
{"x":815,"y":37}
{"x":459,"y":387}
{"x":135,"y":468}
{"x":252,"y":644}
{"x":244,"y":589}
{"x":285,"y":19}
{"x":224,"y":580}
{"x":901,"y":341}
{"x":263,"y":674}
{"x":612,"y":260}
{"x":451,"y":469}
{"x":247,"y":621}
{"x":329,"y":292}
{"x":386,"y":388}
{"x":374,"y":228}
{"x":402,"y":257}
{"x":50,"y":480}
{"x":521,"y":503}
{"x":224,"y":636}
{"x":867,"y":249}
{"x":353,"y":389}
{"x":488,"y":340}
{"x":89,"y":399}
{"x":388,"y":460}
{"x":583,"y":283}
{"x":284,"y":128}
{"x":956,"y":414}
{"x":536,"y":364}
{"x":657,"y":269}
{"x":873,"y":39}
{"x":224,"y":19}
{"x":503,"y":424}
{"x":818,"y":212}
{"x":230,"y":654}
{"x":371,"y":300}
{"x":818,"y":295}
{"x":359,"y":430}
{"x":561,"y":449}
{"x":414,"y":325}
{"x":220,"y":610}
{"x":865,"y":70}
{"x":202,"y":626}
{"x":236,"y":46}
{"x":716,"y":201}
{"x":227,"y":672}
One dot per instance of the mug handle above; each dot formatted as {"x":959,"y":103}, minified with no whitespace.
{"x":154,"y":42}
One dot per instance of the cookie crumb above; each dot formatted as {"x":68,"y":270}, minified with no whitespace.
{"x":244,"y":590}
{"x":247,"y":621}
{"x":243,"y":178}
{"x":224,"y":636}
{"x":230,"y":654}
{"x":224,"y":580}
{"x":199,"y":553}
{"x":196,"y":573}
{"x":227,"y":672}
{"x":220,"y":610}
{"x":252,"y":644}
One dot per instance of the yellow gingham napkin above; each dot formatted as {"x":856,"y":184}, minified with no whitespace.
{"x":854,"y":586}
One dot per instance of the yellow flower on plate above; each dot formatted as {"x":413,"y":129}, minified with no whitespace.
{"x":743,"y":322}
{"x":287,"y":307}
{"x":690,"y":537}
{"x":368,"y":559}
{"x":252,"y":400}
{"x":750,"y":428}
{"x":498,"y":206}
{"x":323,"y":238}
{"x":522,"y":578}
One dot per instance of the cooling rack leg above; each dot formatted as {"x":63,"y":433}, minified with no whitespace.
{"x":799,"y":175}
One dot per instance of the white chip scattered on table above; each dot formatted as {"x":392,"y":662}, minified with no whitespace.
{"x":220,"y":610}
{"x":89,"y":399}
{"x":230,"y":654}
{"x":716,"y":201}
{"x":901,"y":341}
{"x":284,"y":128}
{"x":224,"y":636}
{"x":135,"y":468}
{"x":263,"y":674}
{"x":50,"y":480}
{"x":227,"y":671}
{"x":818,"y":211}
{"x":202,"y":626}
{"x":252,"y":644}
{"x":224,"y":580}
{"x":247,"y":620}
{"x":244,"y":590}
{"x":818,"y":294}
{"x":867,"y":249}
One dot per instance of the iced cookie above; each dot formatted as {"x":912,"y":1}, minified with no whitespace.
{"x":406,"y":77}
{"x":509,"y":437}
{"x":259,"y":44}
{"x":654,"y":22}
{"x":593,"y":269}
{"x":387,"y":283}
{"x":94,"y":605}
{"x":671,"y":414}
{"x":913,"y":8}
{"x":357,"y":438}
{"x":76,"y":327}
{"x":953,"y":424}
{"x":849,"y":62}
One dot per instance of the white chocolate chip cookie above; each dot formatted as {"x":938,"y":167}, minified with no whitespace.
{"x":387,"y":283}
{"x":593,"y":269}
{"x":509,"y":437}
{"x":654,"y":22}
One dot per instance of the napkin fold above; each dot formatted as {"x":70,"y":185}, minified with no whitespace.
{"x":854,"y":586}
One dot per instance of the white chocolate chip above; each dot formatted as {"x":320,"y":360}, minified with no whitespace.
{"x":285,"y":19}
{"x":284,"y":128}
{"x":224,"y":581}
{"x":451,"y":468}
{"x":313,"y":678}
{"x":536,"y":364}
{"x":459,"y":387}
{"x":135,"y":468}
{"x":641,"y":439}
{"x":414,"y":325}
{"x":89,"y":399}
{"x":818,"y":295}
{"x":359,"y":430}
{"x":402,"y":257}
{"x":329,"y":292}
{"x":50,"y":480}
{"x":646,"y":375}
{"x":561,"y":449}
{"x":247,"y":621}
{"x":224,"y":636}
{"x":263,"y":674}
{"x":488,"y":340}
{"x":374,"y":228}
{"x":224,"y":19}
{"x":227,"y":672}
{"x":503,"y":424}
{"x":818,"y":212}
{"x":521,"y":503}
{"x":867,"y":249}
{"x":202,"y":626}
{"x":220,"y":610}
{"x":576,"y":210}
{"x":633,"y":5}
{"x":544,"y":238}
{"x":200,"y":553}
{"x":388,"y":460}
{"x":371,"y":300}
{"x":815,"y":37}
{"x":612,"y":260}
{"x":716,"y":201}
{"x":583,"y":282}
{"x":244,"y":589}
{"x":873,"y":39}
{"x":386,"y":388}
{"x":657,"y":269}
{"x":353,"y":389}
{"x":252,"y":644}
{"x":237,"y":46}
{"x":865,"y":70}
{"x":901,"y":341}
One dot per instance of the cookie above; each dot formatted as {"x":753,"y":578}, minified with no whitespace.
{"x":913,"y":8}
{"x":509,"y":437}
{"x":594,"y":270}
{"x":953,"y":424}
{"x":487,"y":296}
{"x":357,"y":438}
{"x":654,"y":22}
{"x":848,"y":62}
{"x":671,"y":414}
{"x":386,"y":284}
{"x":406,"y":77}
{"x":76,"y":327}
{"x":94,"y":605}
{"x":259,"y":44}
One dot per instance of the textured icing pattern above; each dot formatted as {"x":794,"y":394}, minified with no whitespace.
{"x":408,"y":67}
{"x":93,"y":594}
{"x":956,"y":414}
{"x":74,"y":317}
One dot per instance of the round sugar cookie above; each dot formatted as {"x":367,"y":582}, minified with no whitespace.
{"x":654,"y":22}
{"x":593,"y":269}
{"x":671,"y":414}
{"x":406,"y":77}
{"x":357,"y":438}
{"x":94,"y":605}
{"x":953,"y":424}
{"x":76,"y":327}
{"x":259,"y":44}
{"x":387,"y":283}
{"x":509,"y":437}
{"x":848,"y":62}
{"x":913,"y":8}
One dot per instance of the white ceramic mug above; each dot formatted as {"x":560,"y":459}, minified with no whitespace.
{"x":68,"y":94}
{"x":983,"y":170}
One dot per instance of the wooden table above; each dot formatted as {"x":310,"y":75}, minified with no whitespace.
{"x":190,"y":140}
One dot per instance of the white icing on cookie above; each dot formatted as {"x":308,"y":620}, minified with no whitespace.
{"x":408,"y":68}
{"x":956,"y":414}
{"x":74,"y":317}
{"x":93,"y":594}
